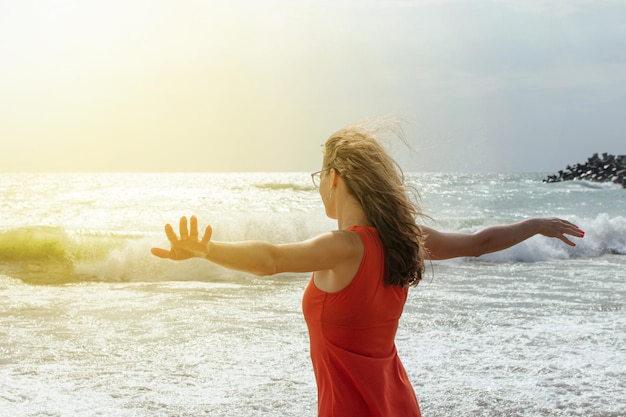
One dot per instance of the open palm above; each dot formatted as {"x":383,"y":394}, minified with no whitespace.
{"x":188,"y":245}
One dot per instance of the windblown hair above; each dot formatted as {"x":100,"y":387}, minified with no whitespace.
{"x":377,"y":182}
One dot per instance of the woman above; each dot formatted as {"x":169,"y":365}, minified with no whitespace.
{"x":361,"y":272}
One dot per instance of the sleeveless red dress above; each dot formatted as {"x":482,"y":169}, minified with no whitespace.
{"x":356,"y":365}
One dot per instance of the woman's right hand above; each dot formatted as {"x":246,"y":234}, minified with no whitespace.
{"x":187,"y":245}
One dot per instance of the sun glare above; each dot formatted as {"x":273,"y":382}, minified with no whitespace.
{"x":130,"y":77}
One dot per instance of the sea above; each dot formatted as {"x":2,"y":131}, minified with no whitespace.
{"x":91,"y":324}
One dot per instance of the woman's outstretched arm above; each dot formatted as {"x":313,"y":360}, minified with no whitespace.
{"x":441,"y":245}
{"x":328,"y":251}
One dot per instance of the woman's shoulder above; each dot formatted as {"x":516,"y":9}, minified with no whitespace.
{"x":364,"y":231}
{"x":362,"y":228}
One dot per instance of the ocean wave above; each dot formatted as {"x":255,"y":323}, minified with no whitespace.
{"x":56,"y":243}
{"x":33,"y":243}
{"x":52,"y":255}
{"x":273,"y":186}
{"x":43,"y":255}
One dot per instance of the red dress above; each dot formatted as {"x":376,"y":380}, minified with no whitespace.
{"x":356,"y":365}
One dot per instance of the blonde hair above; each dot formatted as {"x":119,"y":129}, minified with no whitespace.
{"x":377,"y":182}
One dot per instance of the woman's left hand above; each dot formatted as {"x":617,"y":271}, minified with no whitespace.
{"x":188,"y":245}
{"x":559,"y":228}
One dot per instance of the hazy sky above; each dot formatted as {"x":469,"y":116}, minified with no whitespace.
{"x":258,"y":85}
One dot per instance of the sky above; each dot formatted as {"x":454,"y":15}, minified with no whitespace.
{"x":258,"y":86}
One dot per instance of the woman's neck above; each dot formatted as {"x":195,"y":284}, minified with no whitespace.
{"x":350,"y":213}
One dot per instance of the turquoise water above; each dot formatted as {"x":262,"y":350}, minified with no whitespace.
{"x":92,"y":324}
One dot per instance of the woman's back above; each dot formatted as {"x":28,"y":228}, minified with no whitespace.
{"x":352,"y":341}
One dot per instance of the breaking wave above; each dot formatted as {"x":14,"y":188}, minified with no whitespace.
{"x":52,"y":255}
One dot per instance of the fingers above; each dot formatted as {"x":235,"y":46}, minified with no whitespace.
{"x":575,"y":233}
{"x":578,"y":232}
{"x":207,"y":235}
{"x":572,"y":229}
{"x":169,"y":232}
{"x":193,"y":228}
{"x":162,"y":253}
{"x":182,"y":225}
{"x":186,"y":232}
{"x":563,"y":227}
{"x":166,"y":253}
{"x":566,"y":240}
{"x":186,"y":246}
{"x":559,"y":228}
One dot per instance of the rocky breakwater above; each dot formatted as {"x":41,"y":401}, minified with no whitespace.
{"x":608,"y":168}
